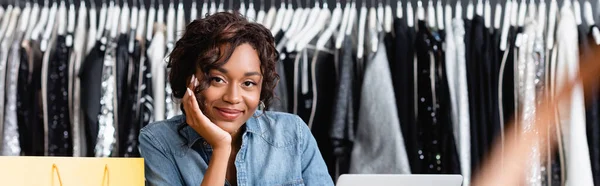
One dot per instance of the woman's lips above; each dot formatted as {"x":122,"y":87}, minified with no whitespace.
{"x":229,"y":114}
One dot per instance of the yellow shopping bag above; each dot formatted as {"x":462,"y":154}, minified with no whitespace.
{"x":68,"y":171}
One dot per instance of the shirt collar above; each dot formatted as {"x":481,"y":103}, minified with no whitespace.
{"x":253,"y":125}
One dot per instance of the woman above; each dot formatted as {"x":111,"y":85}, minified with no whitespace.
{"x":222,"y":69}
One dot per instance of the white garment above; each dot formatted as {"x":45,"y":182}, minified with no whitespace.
{"x":462,"y":95}
{"x":572,"y":110}
{"x":91,"y":35}
{"x":77,"y":57}
{"x":156,"y":55}
{"x":379,"y":144}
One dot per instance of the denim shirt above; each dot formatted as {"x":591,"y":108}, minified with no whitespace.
{"x":277,"y":149}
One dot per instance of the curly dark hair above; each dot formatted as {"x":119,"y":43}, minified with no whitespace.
{"x":208,"y":44}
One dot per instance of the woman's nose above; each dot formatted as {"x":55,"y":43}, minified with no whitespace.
{"x":232,"y":95}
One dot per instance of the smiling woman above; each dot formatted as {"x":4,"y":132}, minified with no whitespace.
{"x":222,"y":69}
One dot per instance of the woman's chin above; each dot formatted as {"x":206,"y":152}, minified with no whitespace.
{"x":228,"y":126}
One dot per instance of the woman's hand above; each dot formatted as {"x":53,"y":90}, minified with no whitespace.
{"x":218,"y":138}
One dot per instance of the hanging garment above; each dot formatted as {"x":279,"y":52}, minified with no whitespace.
{"x":402,"y":72}
{"x":5,"y":46}
{"x":462,"y":99}
{"x":91,"y":80}
{"x":280,"y":103}
{"x":146,"y":112}
{"x":11,"y":144}
{"x":477,"y":90}
{"x":288,"y":67}
{"x":129,"y":144}
{"x":343,"y":120}
{"x":29,"y":109}
{"x":527,"y":64}
{"x":379,"y":145}
{"x":507,"y":94}
{"x":494,"y":62}
{"x":76,"y":59}
{"x":368,"y":154}
{"x":572,"y":111}
{"x":106,"y":144}
{"x":124,"y":88}
{"x":156,"y":53}
{"x":436,"y":147}
{"x":592,"y":103}
{"x":59,"y":126}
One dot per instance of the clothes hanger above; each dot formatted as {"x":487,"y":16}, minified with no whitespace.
{"x":506,"y":25}
{"x":313,"y":17}
{"x":279,"y":19}
{"x":242,"y":9}
{"x":448,"y":16}
{"x":24,"y":19}
{"x":589,"y":17}
{"x":380,"y":15}
{"x":180,"y":21}
{"x":420,"y":11}
{"x":470,"y":10}
{"x":142,"y":20}
{"x":260,"y":17}
{"x":440,"y":15}
{"x":251,"y":13}
{"x":33,"y":19}
{"x":431,"y":19}
{"x":498,"y":16}
{"x":388,"y":18}
{"x":458,"y":8}
{"x":220,"y":7}
{"x":479,"y":8}
{"x":542,"y":15}
{"x":577,"y":12}
{"x":362,"y":21}
{"x":399,"y":11}
{"x":373,"y":27}
{"x":522,"y":13}
{"x":552,"y":12}
{"x":150,"y":21}
{"x":289,"y":13}
{"x":213,"y":7}
{"x":351,"y":18}
{"x":125,"y":17}
{"x":5,"y":21}
{"x":336,"y":18}
{"x":93,"y":29}
{"x":12,"y":25}
{"x":72,"y":17}
{"x":298,"y":16}
{"x":270,"y":17}
{"x":410,"y":15}
{"x":514,"y":14}
{"x":49,"y":27}
{"x":102,"y":23}
{"x":170,"y":26}
{"x":487,"y":14}
{"x":194,"y":11}
{"x":133,"y":26}
{"x":204,"y":9}
{"x":531,"y":10}
{"x":114,"y":29}
{"x":343,"y":24}
{"x":309,"y":16}
{"x":324,"y":16}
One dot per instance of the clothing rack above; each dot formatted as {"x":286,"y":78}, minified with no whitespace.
{"x":114,"y":131}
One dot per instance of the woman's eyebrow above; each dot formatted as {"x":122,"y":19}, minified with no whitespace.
{"x":252,"y":74}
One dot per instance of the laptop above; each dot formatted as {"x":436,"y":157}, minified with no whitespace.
{"x":400,"y":179}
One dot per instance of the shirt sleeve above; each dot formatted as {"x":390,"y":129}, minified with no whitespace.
{"x":159,"y":168}
{"x":314,"y":169}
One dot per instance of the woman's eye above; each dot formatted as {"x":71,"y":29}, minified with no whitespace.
{"x":217,"y":79}
{"x":249,"y":83}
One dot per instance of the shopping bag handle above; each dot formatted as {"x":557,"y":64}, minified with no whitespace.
{"x":105,"y":176}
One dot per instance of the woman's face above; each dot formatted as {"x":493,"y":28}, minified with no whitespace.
{"x":234,"y":91}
